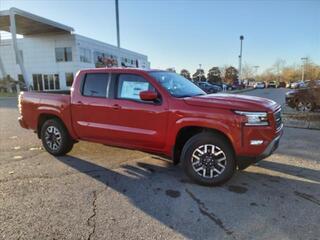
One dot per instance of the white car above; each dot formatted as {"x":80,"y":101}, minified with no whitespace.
{"x":272,"y":84}
{"x":298,"y":84}
{"x":259,"y":85}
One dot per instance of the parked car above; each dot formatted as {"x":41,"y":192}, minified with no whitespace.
{"x":208,"y":87}
{"x":305,"y":99}
{"x":259,"y":85}
{"x":159,"y":112}
{"x":281,"y":84}
{"x":238,"y":86}
{"x":272,"y":84}
{"x":299,"y":84}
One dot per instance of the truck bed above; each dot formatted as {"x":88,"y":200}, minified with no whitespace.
{"x":33,"y":104}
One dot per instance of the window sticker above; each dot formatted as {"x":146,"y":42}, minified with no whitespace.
{"x":132,"y":90}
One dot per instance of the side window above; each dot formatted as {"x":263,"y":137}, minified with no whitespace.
{"x":95,"y":85}
{"x":130,"y":86}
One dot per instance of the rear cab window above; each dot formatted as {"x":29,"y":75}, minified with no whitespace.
{"x":96,"y":85}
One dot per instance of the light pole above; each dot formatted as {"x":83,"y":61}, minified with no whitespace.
{"x":118,"y":31}
{"x":240,"y":58}
{"x":200,"y":73}
{"x":304,"y":60}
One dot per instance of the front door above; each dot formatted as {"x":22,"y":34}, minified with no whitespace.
{"x":136,"y":122}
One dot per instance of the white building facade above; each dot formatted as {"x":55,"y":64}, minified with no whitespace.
{"x":51,"y":60}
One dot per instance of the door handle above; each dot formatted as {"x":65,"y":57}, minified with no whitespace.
{"x":79,"y":102}
{"x":116,"y":107}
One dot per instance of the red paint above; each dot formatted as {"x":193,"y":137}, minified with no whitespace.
{"x":150,"y":127}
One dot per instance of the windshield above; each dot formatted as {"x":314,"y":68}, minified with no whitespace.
{"x":176,"y":85}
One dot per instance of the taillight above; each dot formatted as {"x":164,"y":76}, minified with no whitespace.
{"x":19,"y":103}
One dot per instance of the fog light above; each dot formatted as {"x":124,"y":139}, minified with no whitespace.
{"x":256,"y":142}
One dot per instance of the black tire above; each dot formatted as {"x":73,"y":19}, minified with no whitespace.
{"x":62,"y":141}
{"x":220,"y":143}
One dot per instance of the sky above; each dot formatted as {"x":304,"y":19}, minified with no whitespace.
{"x":186,"y":33}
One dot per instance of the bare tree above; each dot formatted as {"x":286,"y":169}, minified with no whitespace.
{"x":248,"y":71}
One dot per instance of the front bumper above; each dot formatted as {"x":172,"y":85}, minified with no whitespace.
{"x":245,"y":161}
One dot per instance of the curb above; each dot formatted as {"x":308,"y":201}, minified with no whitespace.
{"x":290,"y":121}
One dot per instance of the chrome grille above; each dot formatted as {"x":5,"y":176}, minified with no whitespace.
{"x":278,"y":119}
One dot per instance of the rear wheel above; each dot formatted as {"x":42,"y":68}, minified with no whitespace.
{"x":208,"y":159}
{"x":55,"y":137}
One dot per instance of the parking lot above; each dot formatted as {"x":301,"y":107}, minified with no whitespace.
{"x":100,"y":192}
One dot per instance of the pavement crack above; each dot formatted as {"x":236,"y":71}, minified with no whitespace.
{"x":91,"y":222}
{"x":307,"y":197}
{"x":204,"y":211}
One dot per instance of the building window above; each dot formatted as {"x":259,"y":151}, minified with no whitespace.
{"x":56,"y":81}
{"x":64,"y":54}
{"x":46,"y":82}
{"x":85,"y":55}
{"x":37,"y":82}
{"x":51,"y":81}
{"x":20,"y":78}
{"x":69,"y":79}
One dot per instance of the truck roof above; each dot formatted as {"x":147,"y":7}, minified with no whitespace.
{"x":118,"y":69}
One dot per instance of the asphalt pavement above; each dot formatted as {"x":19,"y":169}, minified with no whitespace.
{"x":276,"y":94}
{"x":100,"y":192}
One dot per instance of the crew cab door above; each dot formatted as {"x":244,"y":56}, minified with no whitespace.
{"x":136,"y":122}
{"x":90,"y":107}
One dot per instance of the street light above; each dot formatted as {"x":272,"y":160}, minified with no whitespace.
{"x":304,"y":60}
{"x":118,"y":31}
{"x":240,"y":57}
{"x":200,"y":73}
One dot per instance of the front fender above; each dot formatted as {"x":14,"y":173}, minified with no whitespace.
{"x":228,"y":127}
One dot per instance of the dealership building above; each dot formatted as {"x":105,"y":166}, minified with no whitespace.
{"x":46,"y":54}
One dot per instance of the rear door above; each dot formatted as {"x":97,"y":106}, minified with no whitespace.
{"x":90,"y":107}
{"x":136,"y":122}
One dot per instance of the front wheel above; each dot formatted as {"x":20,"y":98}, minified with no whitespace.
{"x":208,"y":159}
{"x":55,"y":137}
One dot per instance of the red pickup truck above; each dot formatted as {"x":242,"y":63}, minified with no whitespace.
{"x":158,"y":112}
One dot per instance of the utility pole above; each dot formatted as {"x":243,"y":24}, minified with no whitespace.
{"x":118,"y":31}
{"x":240,"y":59}
{"x":304,"y":61}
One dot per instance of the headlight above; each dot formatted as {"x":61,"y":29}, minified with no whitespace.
{"x":255,"y":118}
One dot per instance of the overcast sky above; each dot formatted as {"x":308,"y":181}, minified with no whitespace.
{"x":182,"y":34}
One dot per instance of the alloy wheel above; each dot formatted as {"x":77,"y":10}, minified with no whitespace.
{"x":208,"y":161}
{"x":53,"y":138}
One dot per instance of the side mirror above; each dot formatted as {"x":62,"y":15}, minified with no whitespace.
{"x":148,"y":95}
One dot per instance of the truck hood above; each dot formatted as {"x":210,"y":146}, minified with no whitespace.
{"x":233,"y":102}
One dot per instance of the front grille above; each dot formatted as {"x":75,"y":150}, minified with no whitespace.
{"x":278,"y":119}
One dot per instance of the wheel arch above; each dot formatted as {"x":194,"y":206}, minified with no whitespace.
{"x":42,"y":118}
{"x":186,"y":132}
